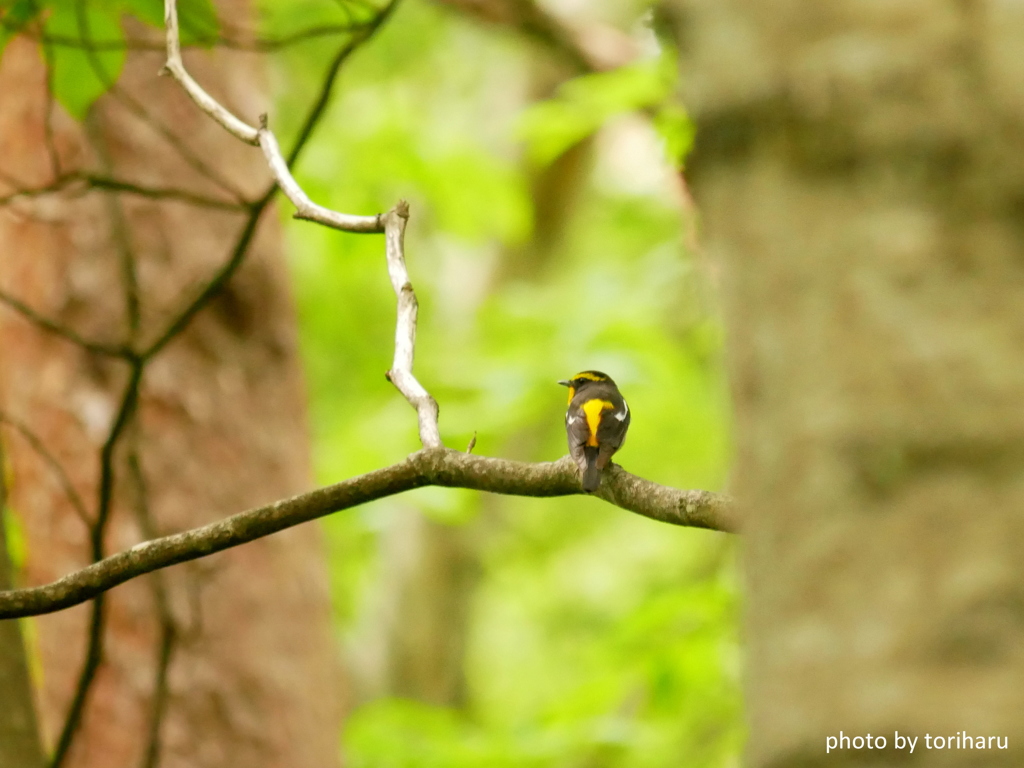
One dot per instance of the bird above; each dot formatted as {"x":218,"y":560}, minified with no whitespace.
{"x":595,"y":423}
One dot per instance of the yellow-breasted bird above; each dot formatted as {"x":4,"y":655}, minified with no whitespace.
{"x":596,"y":423}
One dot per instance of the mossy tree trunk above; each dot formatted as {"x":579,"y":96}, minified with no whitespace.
{"x":860,"y":172}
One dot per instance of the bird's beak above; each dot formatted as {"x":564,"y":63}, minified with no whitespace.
{"x":564,"y":383}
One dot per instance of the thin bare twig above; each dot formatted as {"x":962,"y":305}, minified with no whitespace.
{"x":167,"y":639}
{"x":122,"y":237}
{"x":320,"y":105}
{"x":138,"y":361}
{"x":162,"y":193}
{"x":401,"y":374}
{"x":182,"y":319}
{"x":93,"y":657}
{"x":48,"y":139}
{"x":51,"y":326}
{"x":271,"y":44}
{"x":178,"y":144}
{"x":258,"y":44}
{"x":129,"y":400}
{"x":205,"y":101}
{"x":306,"y":208}
{"x":139,"y":110}
{"x":392,"y":223}
{"x":51,"y":461}
{"x":89,"y":181}
{"x":97,"y":621}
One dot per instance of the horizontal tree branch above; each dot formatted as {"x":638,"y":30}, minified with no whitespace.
{"x":431,"y":466}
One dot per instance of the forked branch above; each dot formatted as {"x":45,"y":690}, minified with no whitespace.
{"x":434,"y":465}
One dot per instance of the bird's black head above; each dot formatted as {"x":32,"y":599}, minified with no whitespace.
{"x":584,"y":379}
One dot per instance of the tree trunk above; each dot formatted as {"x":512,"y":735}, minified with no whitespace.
{"x":860,"y":171}
{"x":229,"y":661}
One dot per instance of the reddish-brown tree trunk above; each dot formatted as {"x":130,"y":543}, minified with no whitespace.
{"x":220,"y":427}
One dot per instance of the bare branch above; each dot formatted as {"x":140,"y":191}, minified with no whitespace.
{"x":55,"y":466}
{"x":119,"y":230}
{"x":305,"y":208}
{"x":205,"y":101}
{"x":91,"y":664}
{"x":280,"y":166}
{"x":97,"y":621}
{"x":405,"y":328}
{"x":51,"y":326}
{"x":259,"y":44}
{"x":392,"y":223}
{"x":48,"y":138}
{"x":431,"y":466}
{"x":126,"y":100}
{"x":271,"y":44}
{"x":162,"y":193}
{"x":182,"y":319}
{"x":167,"y":641}
{"x":90,"y":181}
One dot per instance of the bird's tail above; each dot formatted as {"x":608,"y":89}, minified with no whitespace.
{"x":591,"y":475}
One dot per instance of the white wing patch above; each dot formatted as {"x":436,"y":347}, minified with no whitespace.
{"x":625,"y":412}
{"x":570,"y":419}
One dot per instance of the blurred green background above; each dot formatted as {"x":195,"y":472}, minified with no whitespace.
{"x":549,"y":234}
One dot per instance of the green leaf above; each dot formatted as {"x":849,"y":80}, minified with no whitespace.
{"x":79,"y":75}
{"x":677,"y":130}
{"x":584,"y":104}
{"x":197,"y":19}
{"x":14,"y":538}
{"x":14,"y":15}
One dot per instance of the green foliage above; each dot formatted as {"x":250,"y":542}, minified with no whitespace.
{"x":83,"y":43}
{"x":14,"y":15}
{"x":14,"y":547}
{"x":676,"y":130}
{"x":78,"y":75}
{"x":13,"y":537}
{"x":586,"y":103}
{"x":597,"y":638}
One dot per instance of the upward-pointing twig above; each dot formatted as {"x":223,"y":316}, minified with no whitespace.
{"x":392,"y":224}
{"x":405,"y":328}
